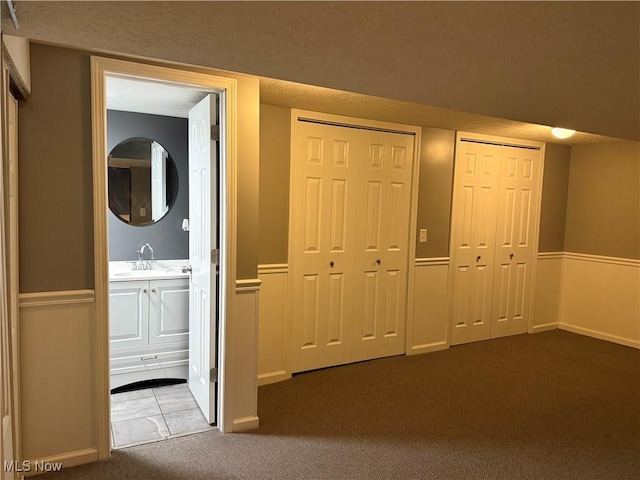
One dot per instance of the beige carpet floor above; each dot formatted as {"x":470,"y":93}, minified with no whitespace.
{"x":553,"y":405}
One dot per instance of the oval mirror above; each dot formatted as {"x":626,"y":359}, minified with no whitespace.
{"x":143,"y":181}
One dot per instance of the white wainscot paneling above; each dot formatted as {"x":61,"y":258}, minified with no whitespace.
{"x":430,"y":326}
{"x":547,"y":291}
{"x":58,"y":389}
{"x":243,"y":334}
{"x":272,"y":324}
{"x":600,"y":298}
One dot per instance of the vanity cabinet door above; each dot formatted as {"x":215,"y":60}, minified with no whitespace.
{"x":128,"y":314}
{"x":168,"y":311}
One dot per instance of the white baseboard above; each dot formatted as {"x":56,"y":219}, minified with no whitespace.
{"x":429,"y":347}
{"x":599,"y":335}
{"x":245,"y":423}
{"x":544,"y":328}
{"x":70,"y":459}
{"x":273,"y":377}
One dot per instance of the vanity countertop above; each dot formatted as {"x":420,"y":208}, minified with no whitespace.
{"x":160,"y":270}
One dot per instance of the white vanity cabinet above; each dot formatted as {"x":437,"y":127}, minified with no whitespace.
{"x":149,"y":329}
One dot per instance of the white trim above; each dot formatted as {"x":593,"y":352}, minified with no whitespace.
{"x":65,"y":297}
{"x":273,"y":377}
{"x":69,"y":459}
{"x":269,"y":268}
{"x":13,"y":255}
{"x":413,"y":245}
{"x":599,"y":335}
{"x":589,"y":257}
{"x":426,"y":262}
{"x":344,"y":121}
{"x":550,"y":255}
{"x":227,"y":88}
{"x":248,"y":285}
{"x":630,"y":262}
{"x":429,"y":347}
{"x":504,"y":141}
{"x":545,"y":327}
{"x":245,"y":423}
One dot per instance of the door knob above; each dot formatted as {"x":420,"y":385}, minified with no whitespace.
{"x":186,"y":269}
{"x":511,"y":257}
{"x":378,"y":261}
{"x":478,"y":258}
{"x":144,"y":290}
{"x":153,"y":290}
{"x":331,"y":264}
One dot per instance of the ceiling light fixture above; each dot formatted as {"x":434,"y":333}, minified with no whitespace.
{"x":562,"y":132}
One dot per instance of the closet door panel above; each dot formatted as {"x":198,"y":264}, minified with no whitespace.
{"x":321,"y":268}
{"x":517,"y":214}
{"x":475,"y":200}
{"x":382,"y":240}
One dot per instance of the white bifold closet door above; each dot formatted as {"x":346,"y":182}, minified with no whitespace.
{"x":495,"y":213}
{"x":351,"y":196}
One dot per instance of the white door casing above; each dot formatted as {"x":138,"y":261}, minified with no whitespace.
{"x":495,"y":219}
{"x":203,"y":239}
{"x":227,"y":88}
{"x":350,"y":210}
{"x":7,"y":346}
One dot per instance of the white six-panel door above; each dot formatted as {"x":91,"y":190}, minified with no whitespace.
{"x":381,"y":241}
{"x":514,"y":243}
{"x":475,"y":199}
{"x":495,"y":211}
{"x":203,"y":194}
{"x":324,"y":189}
{"x":351,"y":198}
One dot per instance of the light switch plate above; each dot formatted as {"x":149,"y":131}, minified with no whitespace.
{"x":423,"y":235}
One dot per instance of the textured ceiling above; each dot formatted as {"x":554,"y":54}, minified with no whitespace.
{"x":571,"y":64}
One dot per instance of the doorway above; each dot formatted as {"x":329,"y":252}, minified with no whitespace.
{"x":494,"y":236}
{"x":157,"y":289}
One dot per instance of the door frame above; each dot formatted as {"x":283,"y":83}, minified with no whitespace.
{"x":345,"y":121}
{"x":101,"y":68}
{"x":502,"y":141}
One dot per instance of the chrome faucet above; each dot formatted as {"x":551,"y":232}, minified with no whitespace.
{"x":141,"y":264}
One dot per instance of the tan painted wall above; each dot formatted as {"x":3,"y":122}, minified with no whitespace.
{"x":603,"y":204}
{"x":56,"y":229}
{"x":554,"y":198}
{"x":434,"y":191}
{"x":275,"y":132}
{"x":55,"y":181}
{"x":436,"y":173}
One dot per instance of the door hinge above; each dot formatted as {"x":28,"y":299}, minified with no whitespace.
{"x":215,"y":133}
{"x":215,"y":256}
{"x":213,"y":375}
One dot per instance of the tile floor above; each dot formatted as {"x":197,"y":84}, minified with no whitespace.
{"x":154,"y":414}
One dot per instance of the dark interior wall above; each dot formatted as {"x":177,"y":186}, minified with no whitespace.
{"x":553,"y":211}
{"x":166,"y":236}
{"x":434,"y":197}
{"x":603,"y":201}
{"x":435,"y":190}
{"x":55,"y":180}
{"x":275,"y":132}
